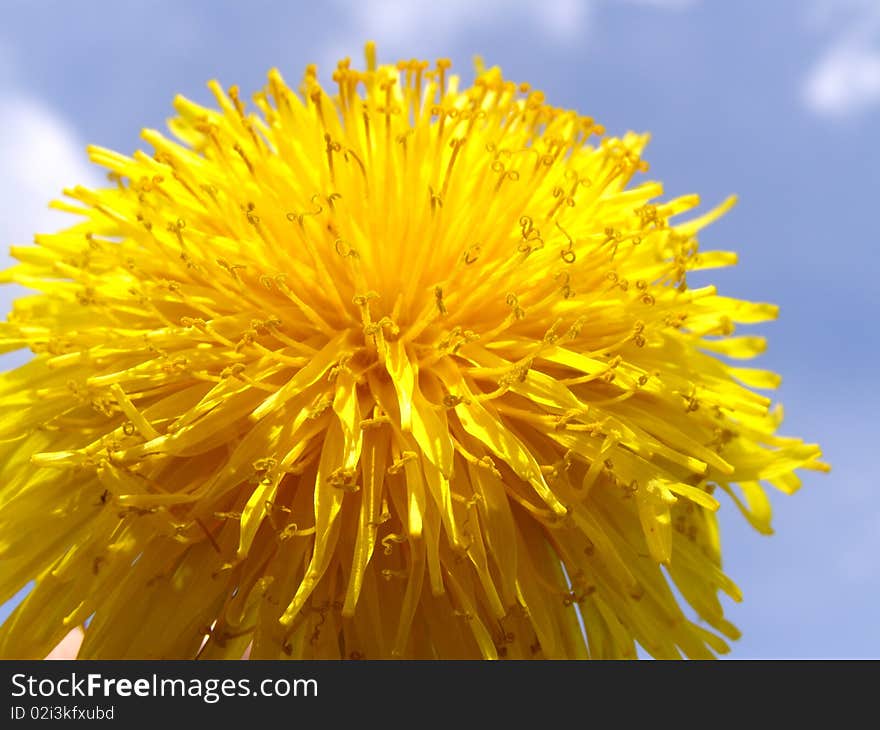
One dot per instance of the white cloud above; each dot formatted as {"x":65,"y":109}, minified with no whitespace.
{"x":403,"y":28}
{"x":396,"y":21}
{"x":845,"y":81}
{"x":41,"y":155}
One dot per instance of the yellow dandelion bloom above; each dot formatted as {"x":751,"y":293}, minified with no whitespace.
{"x":411,"y":370}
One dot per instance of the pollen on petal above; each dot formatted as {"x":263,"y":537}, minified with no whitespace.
{"x":399,"y":367}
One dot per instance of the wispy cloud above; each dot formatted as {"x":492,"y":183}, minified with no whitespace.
{"x":396,"y":21}
{"x":845,"y":81}
{"x":403,"y":27}
{"x":41,"y":155}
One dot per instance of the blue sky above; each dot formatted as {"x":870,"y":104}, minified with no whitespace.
{"x":776,"y":100}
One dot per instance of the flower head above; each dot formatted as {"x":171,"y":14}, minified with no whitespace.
{"x":408,"y":370}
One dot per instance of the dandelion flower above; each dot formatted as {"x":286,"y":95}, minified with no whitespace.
{"x":409,"y":369}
